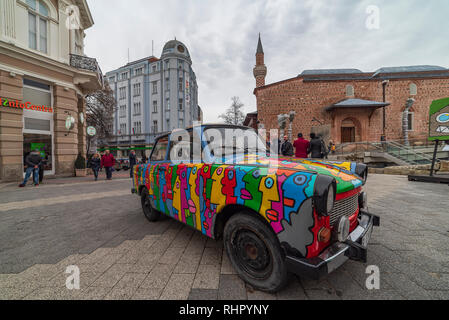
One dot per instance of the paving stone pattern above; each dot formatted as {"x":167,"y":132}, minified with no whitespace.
{"x":100,"y":228}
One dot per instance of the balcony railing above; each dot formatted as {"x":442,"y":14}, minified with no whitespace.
{"x":86,"y":63}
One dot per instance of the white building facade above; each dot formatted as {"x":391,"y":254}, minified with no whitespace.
{"x":44,"y":78}
{"x":154,"y":96}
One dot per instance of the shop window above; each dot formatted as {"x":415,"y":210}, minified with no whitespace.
{"x":42,"y":143}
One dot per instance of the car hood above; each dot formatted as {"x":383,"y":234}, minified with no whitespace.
{"x":343,"y":172}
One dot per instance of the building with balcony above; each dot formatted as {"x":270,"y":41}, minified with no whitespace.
{"x":44,"y":77}
{"x":154,"y":95}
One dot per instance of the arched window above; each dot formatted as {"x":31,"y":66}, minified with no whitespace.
{"x":37,"y":25}
{"x":413,"y":89}
{"x":349,"y":91}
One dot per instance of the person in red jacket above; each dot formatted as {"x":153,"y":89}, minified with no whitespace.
{"x":108,"y":162}
{"x":301,"y":146}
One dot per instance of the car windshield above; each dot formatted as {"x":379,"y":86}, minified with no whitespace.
{"x":224,"y":142}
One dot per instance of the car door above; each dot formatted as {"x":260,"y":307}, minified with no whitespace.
{"x":155,"y":174}
{"x":177,"y":178}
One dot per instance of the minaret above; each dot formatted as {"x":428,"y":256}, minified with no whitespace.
{"x":260,"y":70}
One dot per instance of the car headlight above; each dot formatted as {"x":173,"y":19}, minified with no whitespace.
{"x":324,"y":195}
{"x":361,"y":170}
{"x":343,"y":229}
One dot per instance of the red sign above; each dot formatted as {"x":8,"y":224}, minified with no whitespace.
{"x":20,"y":105}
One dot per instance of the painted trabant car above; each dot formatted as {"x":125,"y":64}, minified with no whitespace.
{"x":275,"y":215}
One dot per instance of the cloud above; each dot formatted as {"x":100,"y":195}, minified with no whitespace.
{"x":296,"y":35}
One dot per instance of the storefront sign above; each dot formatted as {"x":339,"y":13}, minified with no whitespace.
{"x":70,"y":123}
{"x":439,"y":120}
{"x":20,"y":105}
{"x":91,"y":131}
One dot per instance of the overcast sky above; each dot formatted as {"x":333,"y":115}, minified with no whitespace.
{"x":296,"y":35}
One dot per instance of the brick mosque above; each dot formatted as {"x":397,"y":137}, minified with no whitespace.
{"x":348,"y":105}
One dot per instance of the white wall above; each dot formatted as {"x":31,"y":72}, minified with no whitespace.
{"x":14,"y":28}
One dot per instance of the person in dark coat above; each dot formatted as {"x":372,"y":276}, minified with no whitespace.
{"x":317,"y":148}
{"x":95,"y":164}
{"x":42,"y":165}
{"x":287,"y":148}
{"x":32,"y":162}
{"x":132,"y":162}
{"x":108,"y":162}
{"x":301,"y":146}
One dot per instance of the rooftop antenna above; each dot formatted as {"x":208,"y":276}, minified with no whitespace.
{"x":152,"y":48}
{"x":128,"y":55}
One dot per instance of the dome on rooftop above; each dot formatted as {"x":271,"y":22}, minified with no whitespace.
{"x":175,"y":47}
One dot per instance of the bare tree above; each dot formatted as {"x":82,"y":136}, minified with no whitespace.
{"x":234,"y":114}
{"x":100,"y":108}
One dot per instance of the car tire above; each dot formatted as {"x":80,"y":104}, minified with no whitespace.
{"x":151,"y":214}
{"x":255,"y":253}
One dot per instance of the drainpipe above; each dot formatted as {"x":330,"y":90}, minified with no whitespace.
{"x":408,"y":105}
{"x":384,"y":116}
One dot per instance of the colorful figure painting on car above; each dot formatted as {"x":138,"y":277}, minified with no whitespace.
{"x":439,"y":120}
{"x":195,"y":193}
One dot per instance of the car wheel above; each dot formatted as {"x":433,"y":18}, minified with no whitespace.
{"x":255,"y":253}
{"x":151,"y":214}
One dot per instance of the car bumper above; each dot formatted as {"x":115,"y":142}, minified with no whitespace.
{"x":355,"y":248}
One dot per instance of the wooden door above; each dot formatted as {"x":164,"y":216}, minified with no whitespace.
{"x":347,"y":134}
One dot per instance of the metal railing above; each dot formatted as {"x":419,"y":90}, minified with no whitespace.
{"x":412,"y":154}
{"x":86,"y":63}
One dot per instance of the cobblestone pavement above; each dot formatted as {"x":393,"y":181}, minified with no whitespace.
{"x":99,"y":227}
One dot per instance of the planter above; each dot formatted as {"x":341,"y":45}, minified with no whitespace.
{"x":80,"y":172}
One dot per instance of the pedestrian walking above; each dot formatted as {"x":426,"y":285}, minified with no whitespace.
{"x":301,"y":146}
{"x":317,"y":150}
{"x":144,"y":159}
{"x":287,"y":148}
{"x":132,"y":162}
{"x":332,"y":147}
{"x":32,"y":162}
{"x":95,"y":164}
{"x":108,"y":162}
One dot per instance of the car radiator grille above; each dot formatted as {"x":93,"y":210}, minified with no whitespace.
{"x":345,"y":207}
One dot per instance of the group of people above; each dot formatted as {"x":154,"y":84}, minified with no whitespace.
{"x":302,"y":148}
{"x":107,"y":161}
